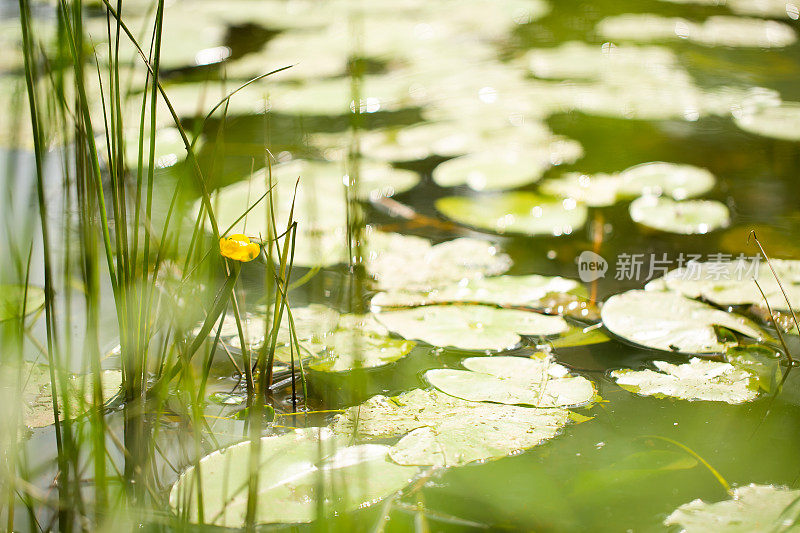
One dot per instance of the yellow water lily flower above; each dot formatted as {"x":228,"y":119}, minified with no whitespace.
{"x":239,"y":248}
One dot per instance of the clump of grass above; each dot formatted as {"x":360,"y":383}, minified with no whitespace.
{"x":116,"y":239}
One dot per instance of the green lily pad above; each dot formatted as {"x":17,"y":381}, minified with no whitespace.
{"x":312,"y":322}
{"x":695,"y":380}
{"x":516,"y":212}
{"x":671,"y":322}
{"x":538,"y":381}
{"x":687,"y":217}
{"x":442,"y":430}
{"x":765,"y":8}
{"x":37,"y":394}
{"x":595,"y":190}
{"x":668,"y":179}
{"x":497,"y":290}
{"x":743,"y":32}
{"x":292,"y":468}
{"x":11,"y":300}
{"x":333,"y":342}
{"x":778,"y":122}
{"x":643,"y":27}
{"x":714,"y":31}
{"x":498,"y":169}
{"x":360,"y":341}
{"x":413,"y":263}
{"x":727,"y":283}
{"x":579,"y":60}
{"x":470,"y":327}
{"x":750,"y":508}
{"x":487,"y":434}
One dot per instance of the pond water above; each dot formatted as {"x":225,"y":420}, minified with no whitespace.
{"x":632,"y":93}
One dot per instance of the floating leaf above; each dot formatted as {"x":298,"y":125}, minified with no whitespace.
{"x":749,"y":509}
{"x":669,"y":179}
{"x":743,"y":32}
{"x":516,"y":212}
{"x":312,"y":322}
{"x":412,"y":263}
{"x":447,"y":431}
{"x":537,"y":381}
{"x":695,"y":380}
{"x":714,"y":31}
{"x":292,"y":469}
{"x":687,"y":217}
{"x":777,"y":122}
{"x":14,"y":297}
{"x":470,"y":327}
{"x":37,"y":394}
{"x":596,"y":190}
{"x":497,"y":169}
{"x":498,"y":290}
{"x":727,"y":283}
{"x":360,"y":341}
{"x":671,"y":322}
{"x":762,"y":362}
{"x":579,"y":60}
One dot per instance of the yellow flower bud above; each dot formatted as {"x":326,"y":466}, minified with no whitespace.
{"x":239,"y":248}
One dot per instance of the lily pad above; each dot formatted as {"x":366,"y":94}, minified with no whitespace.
{"x":498,"y":169}
{"x":498,"y":290}
{"x":579,"y":60}
{"x":413,"y":263}
{"x":778,"y":122}
{"x":695,"y":380}
{"x":516,"y":212}
{"x":743,"y":32}
{"x":470,"y":327}
{"x":671,"y":322}
{"x":595,"y":190}
{"x":668,"y":179}
{"x":727,"y":283}
{"x":14,"y":297}
{"x":360,"y":341}
{"x":312,"y":322}
{"x":714,"y":31}
{"x":687,"y":217}
{"x":442,"y":430}
{"x":333,"y":342}
{"x":538,"y":381}
{"x":292,"y":469}
{"x":750,"y":508}
{"x":37,"y":394}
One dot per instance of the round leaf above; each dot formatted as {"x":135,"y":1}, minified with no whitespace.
{"x":696,"y":380}
{"x":470,"y":327}
{"x":671,"y":322}
{"x":291,"y":469}
{"x":516,"y":212}
{"x":537,"y":381}
{"x":688,"y":217}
